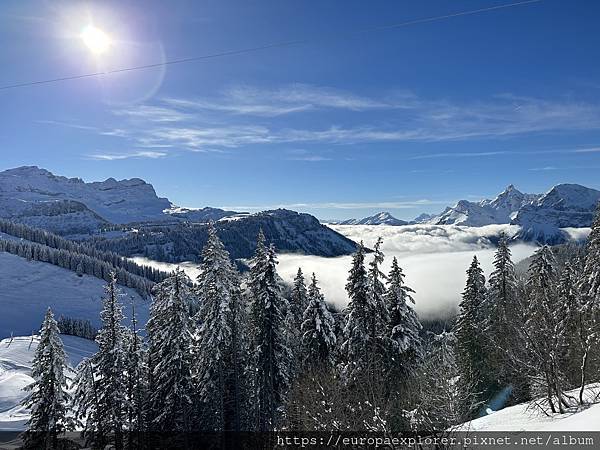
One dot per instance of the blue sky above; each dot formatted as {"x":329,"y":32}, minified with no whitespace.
{"x":406,"y":120}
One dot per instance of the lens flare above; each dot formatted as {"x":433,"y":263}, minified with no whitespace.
{"x":95,"y":39}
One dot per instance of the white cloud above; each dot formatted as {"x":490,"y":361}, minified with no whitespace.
{"x":153,"y":114}
{"x":341,"y":205}
{"x":310,"y":158}
{"x":120,"y":156}
{"x":458,"y":155}
{"x":587,"y":150}
{"x":434,"y":259}
{"x":294,"y":98}
{"x":205,"y":138}
{"x":247,"y":115}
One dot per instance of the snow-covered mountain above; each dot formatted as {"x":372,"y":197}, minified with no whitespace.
{"x":540,"y":216}
{"x":422,"y":218}
{"x":564,"y":206}
{"x":289,"y":231}
{"x":33,"y":195}
{"x":202,"y":215}
{"x":382,"y":218}
{"x":500,"y":210}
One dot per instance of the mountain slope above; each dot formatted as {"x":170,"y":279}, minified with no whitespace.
{"x":500,"y":210}
{"x":69,"y":206}
{"x":523,"y":417}
{"x":564,"y":206}
{"x":288,"y":231}
{"x":30,"y":287}
{"x":28,"y":191}
{"x":542,"y":217}
{"x":382,"y":218}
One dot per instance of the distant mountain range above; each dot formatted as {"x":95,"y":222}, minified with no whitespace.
{"x":383,"y":218}
{"x":76,"y":209}
{"x":540,"y":216}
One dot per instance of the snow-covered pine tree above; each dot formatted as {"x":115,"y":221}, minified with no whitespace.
{"x":271,"y":360}
{"x":137,"y":377}
{"x":378,"y":317}
{"x":218,"y":353}
{"x":170,"y":386}
{"x":109,"y":364}
{"x":403,"y":324}
{"x":318,"y":330}
{"x":49,"y":397}
{"x":85,"y":402}
{"x":570,"y":300}
{"x":293,"y":320}
{"x":470,"y":333}
{"x":441,"y":403}
{"x":589,"y":311}
{"x":355,"y":348}
{"x":501,"y":313}
{"x":545,"y":327}
{"x":299,"y":297}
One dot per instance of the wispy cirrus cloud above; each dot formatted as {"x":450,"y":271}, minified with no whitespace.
{"x":120,"y":156}
{"x":342,"y":205}
{"x":552,"y":168}
{"x":294,"y":98}
{"x":153,"y":114}
{"x":587,"y":150}
{"x":457,"y":155}
{"x":305,"y":155}
{"x":244,"y":116}
{"x":310,"y":158}
{"x":205,"y":138}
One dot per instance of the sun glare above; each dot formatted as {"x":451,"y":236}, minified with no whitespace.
{"x":95,"y":39}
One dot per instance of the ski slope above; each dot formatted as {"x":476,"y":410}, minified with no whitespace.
{"x":28,"y":288}
{"x":15,"y":369}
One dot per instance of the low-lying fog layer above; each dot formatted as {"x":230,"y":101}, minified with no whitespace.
{"x":434,"y":259}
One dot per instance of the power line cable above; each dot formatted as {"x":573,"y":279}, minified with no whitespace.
{"x":269,"y":46}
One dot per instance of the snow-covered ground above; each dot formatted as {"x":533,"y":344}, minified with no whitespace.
{"x":15,"y":373}
{"x":525,"y":417}
{"x":28,"y":288}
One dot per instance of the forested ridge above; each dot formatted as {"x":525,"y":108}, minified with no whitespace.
{"x":39,"y":245}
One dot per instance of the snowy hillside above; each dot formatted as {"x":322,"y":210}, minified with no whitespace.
{"x":15,"y":368}
{"x":526,"y":417}
{"x":27,"y":192}
{"x":383,"y":218}
{"x":30,"y":287}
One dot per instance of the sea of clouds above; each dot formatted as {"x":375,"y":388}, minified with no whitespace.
{"x":434,"y":259}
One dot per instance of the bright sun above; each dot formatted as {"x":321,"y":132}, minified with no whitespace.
{"x":95,"y":39}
